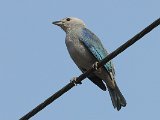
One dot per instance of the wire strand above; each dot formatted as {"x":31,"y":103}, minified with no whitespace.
{"x":84,"y":75}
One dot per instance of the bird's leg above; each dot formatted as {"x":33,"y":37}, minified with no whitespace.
{"x":95,"y":66}
{"x":74,"y":80}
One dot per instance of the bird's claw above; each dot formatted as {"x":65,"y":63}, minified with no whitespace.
{"x":95,"y":66}
{"x":74,"y":81}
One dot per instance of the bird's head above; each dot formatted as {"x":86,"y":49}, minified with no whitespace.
{"x":69,"y":23}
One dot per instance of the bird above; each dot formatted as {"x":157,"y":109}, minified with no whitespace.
{"x":86,"y":50}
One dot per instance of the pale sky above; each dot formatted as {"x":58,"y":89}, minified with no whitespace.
{"x":34,"y":62}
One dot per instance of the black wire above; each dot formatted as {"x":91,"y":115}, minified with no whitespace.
{"x":84,"y":75}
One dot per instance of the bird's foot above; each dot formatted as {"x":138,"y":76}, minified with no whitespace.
{"x":74,"y":80}
{"x":95,"y":66}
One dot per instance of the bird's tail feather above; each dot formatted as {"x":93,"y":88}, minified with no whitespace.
{"x":117,"y":98}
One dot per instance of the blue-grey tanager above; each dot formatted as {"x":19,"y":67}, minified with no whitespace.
{"x":85,"y":48}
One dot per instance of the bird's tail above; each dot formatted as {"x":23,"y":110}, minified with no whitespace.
{"x":117,"y":98}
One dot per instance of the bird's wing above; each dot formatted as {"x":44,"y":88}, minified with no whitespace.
{"x":94,"y":45}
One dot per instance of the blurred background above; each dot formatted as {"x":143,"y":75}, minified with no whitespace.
{"x":34,"y":62}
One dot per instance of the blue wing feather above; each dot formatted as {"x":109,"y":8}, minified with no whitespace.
{"x":94,"y":45}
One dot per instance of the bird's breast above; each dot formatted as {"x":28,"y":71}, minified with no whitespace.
{"x":78,"y":52}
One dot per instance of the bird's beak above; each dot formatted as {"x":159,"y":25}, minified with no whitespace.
{"x":58,"y":23}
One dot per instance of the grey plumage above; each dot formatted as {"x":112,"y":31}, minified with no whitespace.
{"x":85,"y":49}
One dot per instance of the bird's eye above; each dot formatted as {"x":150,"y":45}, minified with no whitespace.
{"x":68,"y":19}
